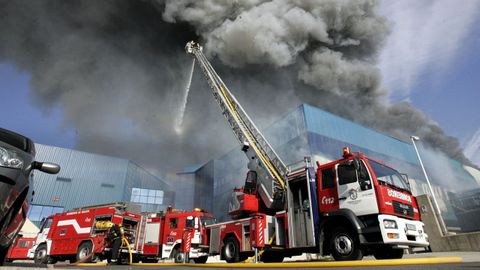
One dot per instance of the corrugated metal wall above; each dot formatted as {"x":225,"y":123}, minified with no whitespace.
{"x":88,"y":179}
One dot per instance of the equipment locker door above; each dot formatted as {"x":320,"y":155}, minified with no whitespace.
{"x":300,"y":217}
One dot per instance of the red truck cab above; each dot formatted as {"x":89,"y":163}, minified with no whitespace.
{"x":165,"y":233}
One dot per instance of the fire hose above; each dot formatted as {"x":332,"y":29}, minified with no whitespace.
{"x":124,"y":239}
{"x":260,"y":252}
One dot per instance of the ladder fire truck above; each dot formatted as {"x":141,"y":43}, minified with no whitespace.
{"x":348,"y":208}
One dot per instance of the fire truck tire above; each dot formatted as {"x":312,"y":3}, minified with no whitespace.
{"x":177,"y":255}
{"x":41,"y":256}
{"x":83,"y":252}
{"x":202,"y":259}
{"x":231,"y":250}
{"x":383,"y":253}
{"x":344,"y":245}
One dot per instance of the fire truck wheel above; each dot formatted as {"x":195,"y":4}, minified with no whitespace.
{"x":177,"y":256}
{"x":41,"y":256}
{"x":83,"y":252}
{"x":202,"y":259}
{"x":231,"y":250}
{"x":383,"y":253}
{"x":344,"y":245}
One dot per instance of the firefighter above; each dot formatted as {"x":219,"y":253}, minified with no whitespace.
{"x":115,"y":234}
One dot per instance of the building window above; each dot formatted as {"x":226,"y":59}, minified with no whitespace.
{"x":149,"y":196}
{"x":37,"y":212}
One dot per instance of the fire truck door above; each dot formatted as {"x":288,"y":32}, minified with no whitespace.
{"x":361,"y":200}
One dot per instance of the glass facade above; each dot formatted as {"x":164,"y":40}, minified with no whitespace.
{"x":150,"y":196}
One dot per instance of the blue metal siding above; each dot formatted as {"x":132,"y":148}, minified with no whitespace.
{"x":335,"y":127}
{"x":95,"y":179}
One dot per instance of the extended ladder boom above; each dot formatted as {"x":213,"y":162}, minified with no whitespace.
{"x":271,"y":171}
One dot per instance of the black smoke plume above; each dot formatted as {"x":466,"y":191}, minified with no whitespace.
{"x":118,"y":69}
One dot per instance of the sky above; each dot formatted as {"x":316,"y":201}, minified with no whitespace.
{"x":430,"y":59}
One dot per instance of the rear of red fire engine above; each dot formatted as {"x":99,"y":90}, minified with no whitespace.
{"x":74,"y":235}
{"x":19,"y":248}
{"x":175,"y":234}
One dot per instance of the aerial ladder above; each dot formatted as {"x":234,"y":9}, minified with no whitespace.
{"x":270,"y":173}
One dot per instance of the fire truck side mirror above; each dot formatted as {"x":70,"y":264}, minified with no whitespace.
{"x":196,"y":222}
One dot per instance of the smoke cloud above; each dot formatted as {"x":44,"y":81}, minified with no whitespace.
{"x":118,"y":70}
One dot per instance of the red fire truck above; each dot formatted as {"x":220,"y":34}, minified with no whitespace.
{"x":19,"y":248}
{"x":152,"y":236}
{"x":74,"y":235}
{"x":347,"y":208}
{"x":165,"y":233}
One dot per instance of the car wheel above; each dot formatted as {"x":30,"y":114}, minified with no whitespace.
{"x":384,"y":252}
{"x":6,"y":221}
{"x":344,"y":245}
{"x":41,"y":256}
{"x":231,"y":250}
{"x":3,"y":254}
{"x":84,"y":252}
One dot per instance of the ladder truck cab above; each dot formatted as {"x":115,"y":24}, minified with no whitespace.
{"x":348,"y":208}
{"x":167,"y":233}
{"x":80,"y":234}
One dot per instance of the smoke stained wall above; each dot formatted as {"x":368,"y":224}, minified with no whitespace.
{"x":118,"y":69}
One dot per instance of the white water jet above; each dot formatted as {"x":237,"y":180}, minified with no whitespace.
{"x":180,"y":116}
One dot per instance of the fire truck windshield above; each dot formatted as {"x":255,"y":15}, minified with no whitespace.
{"x":207,"y":220}
{"x":388,"y":176}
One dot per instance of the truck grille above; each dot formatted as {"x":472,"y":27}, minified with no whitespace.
{"x":402,"y":208}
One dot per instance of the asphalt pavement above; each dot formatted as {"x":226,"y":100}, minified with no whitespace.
{"x":470,"y":261}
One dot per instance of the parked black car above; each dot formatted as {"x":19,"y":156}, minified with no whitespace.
{"x":17,"y":162}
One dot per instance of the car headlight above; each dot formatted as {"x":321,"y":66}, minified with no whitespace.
{"x":389,"y":224}
{"x":10,"y":159}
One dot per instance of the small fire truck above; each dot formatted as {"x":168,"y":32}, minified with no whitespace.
{"x":176,"y":234}
{"x":19,"y":248}
{"x":74,"y":236}
{"x":347,"y":208}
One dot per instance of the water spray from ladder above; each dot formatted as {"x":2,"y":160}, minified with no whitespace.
{"x":181,"y":115}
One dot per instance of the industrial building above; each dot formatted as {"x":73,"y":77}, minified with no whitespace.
{"x":310,"y":131}
{"x":90,"y":179}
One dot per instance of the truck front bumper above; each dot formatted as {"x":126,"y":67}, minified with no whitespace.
{"x":406,"y":233}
